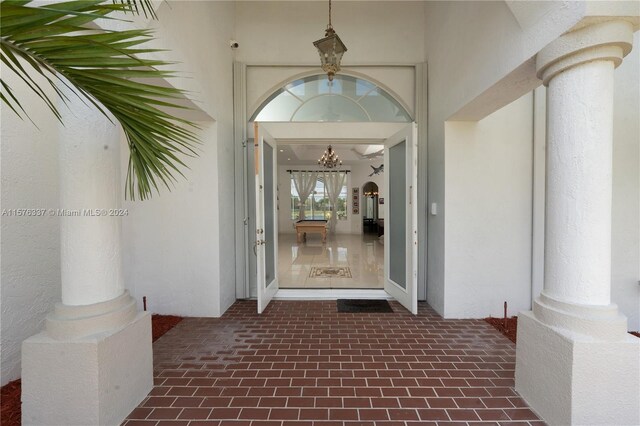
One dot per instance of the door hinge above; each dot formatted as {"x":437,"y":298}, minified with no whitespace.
{"x":244,"y":143}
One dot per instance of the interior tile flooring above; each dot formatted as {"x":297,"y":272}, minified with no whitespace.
{"x":363,"y":254}
{"x":301,"y":363}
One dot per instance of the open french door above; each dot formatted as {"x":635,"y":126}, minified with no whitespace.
{"x":266,"y":243}
{"x":401,"y":216}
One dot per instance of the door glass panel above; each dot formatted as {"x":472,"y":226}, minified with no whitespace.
{"x":269,"y":230}
{"x":397,"y":199}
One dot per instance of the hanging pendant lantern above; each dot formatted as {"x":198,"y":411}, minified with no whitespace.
{"x":331,"y":49}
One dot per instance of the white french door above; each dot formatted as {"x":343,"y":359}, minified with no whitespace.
{"x":266,"y":242}
{"x":401,"y":217}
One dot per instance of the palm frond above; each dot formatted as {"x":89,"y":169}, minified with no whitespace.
{"x":140,"y":6}
{"x":104,"y":68}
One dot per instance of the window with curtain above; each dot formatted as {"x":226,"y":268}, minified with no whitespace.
{"x":317,"y":206}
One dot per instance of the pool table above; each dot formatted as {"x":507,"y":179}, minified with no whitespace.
{"x":311,"y":226}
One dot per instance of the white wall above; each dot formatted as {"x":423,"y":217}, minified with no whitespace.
{"x":471,"y":62}
{"x":171,"y":243}
{"x":625,"y":261}
{"x":488,"y":204}
{"x":282,"y":32}
{"x":175,"y":243}
{"x":171,"y":252}
{"x":30,"y":246}
{"x":489,"y":212}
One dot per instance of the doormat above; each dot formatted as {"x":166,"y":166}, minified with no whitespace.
{"x":330,"y":272}
{"x":363,"y":305}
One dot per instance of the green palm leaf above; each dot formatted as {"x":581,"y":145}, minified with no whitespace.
{"x":104,"y":68}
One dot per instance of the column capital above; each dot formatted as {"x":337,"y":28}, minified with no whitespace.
{"x":609,"y":41}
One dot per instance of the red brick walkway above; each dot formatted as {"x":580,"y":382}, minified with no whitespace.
{"x":303,"y":364}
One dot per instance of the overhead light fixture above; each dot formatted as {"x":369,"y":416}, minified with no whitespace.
{"x":331,"y":49}
{"x":329,"y":159}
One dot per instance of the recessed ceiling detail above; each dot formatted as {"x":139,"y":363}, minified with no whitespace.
{"x":345,"y":99}
{"x":308,"y":154}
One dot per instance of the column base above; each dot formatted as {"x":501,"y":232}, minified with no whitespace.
{"x":571,"y":378}
{"x":96,"y":379}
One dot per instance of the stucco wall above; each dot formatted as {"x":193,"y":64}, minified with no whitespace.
{"x":493,"y":261}
{"x":468,"y":61}
{"x":172,"y":243}
{"x":265,"y":29}
{"x":175,"y":243}
{"x":625,"y":261}
{"x":29,"y":246}
{"x":489,"y":212}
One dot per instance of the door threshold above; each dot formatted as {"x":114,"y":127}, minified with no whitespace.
{"x":329,"y":294}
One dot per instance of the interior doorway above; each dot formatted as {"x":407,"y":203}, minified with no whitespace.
{"x":322,"y":243}
{"x":302,"y":261}
{"x":372,"y":223}
{"x":349,"y":110}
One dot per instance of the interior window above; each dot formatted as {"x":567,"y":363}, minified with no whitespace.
{"x":317,"y":206}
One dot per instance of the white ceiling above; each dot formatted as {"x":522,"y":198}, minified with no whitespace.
{"x":308,"y":154}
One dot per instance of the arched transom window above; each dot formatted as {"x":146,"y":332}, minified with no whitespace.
{"x":345,"y":99}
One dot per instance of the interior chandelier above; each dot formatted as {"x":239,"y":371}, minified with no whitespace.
{"x":331,"y":49}
{"x":330,"y":159}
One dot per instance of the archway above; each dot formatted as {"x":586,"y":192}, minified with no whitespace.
{"x":370,"y":210}
{"x":306,"y":110}
{"x":345,"y":99}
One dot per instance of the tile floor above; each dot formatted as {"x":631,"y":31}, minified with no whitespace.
{"x":363,"y":254}
{"x":303,"y":364}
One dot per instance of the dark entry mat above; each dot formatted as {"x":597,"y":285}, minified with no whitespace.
{"x":363,"y":305}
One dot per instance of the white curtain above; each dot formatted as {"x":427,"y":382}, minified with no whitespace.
{"x":333,"y":183}
{"x":304,"y":182}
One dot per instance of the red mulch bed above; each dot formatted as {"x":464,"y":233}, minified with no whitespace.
{"x":160,"y":324}
{"x":508,"y":327}
{"x":10,"y":404}
{"x":10,"y":413}
{"x":635,"y":333}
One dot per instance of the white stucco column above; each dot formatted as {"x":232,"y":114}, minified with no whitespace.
{"x":90,"y":252}
{"x":576,"y":364}
{"x":93,"y":363}
{"x":579,"y":163}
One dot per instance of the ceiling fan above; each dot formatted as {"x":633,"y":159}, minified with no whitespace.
{"x":369,"y":153}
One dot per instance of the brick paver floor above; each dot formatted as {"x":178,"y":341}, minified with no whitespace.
{"x":304,"y":364}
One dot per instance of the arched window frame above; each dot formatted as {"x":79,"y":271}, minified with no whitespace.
{"x":386,"y":94}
